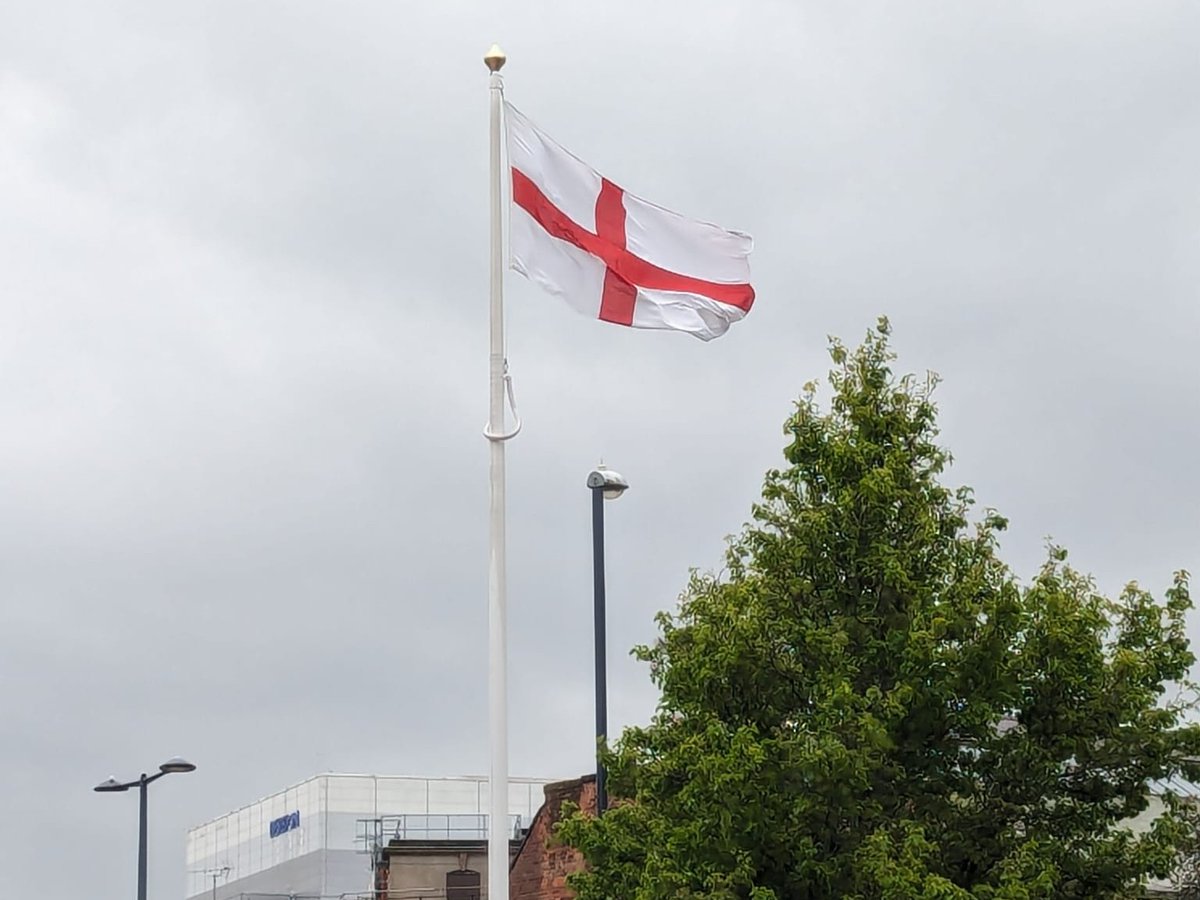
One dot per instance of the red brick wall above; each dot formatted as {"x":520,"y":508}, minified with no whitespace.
{"x":541,"y":868}
{"x":381,"y":879}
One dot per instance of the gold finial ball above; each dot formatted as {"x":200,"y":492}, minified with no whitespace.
{"x":495,"y":59}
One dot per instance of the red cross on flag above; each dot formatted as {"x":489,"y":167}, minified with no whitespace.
{"x":615,"y":256}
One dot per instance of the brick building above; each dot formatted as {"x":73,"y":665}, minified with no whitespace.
{"x":433,"y":869}
{"x":457,"y":870}
{"x":540,"y":868}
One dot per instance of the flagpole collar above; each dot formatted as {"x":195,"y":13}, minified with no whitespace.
{"x":495,"y":59}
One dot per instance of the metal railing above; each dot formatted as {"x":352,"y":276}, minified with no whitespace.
{"x":428,"y":827}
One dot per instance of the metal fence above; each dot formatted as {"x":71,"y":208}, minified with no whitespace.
{"x":430,"y":827}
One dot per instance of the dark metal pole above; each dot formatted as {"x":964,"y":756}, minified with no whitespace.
{"x":600,"y":652}
{"x":143,"y":784}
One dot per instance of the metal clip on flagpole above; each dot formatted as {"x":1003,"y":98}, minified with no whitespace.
{"x":512,"y":404}
{"x":500,"y":383}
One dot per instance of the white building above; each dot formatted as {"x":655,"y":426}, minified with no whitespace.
{"x":312,"y":839}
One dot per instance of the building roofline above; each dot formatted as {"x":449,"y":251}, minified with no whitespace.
{"x":406,"y":846}
{"x":558,"y":788}
{"x":513,"y":779}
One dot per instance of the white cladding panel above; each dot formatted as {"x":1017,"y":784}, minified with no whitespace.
{"x":242,"y":839}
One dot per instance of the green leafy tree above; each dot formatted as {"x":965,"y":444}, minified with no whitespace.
{"x":868,"y":704}
{"x":1186,"y":878}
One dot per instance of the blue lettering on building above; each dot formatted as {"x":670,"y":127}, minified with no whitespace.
{"x":284,"y":824}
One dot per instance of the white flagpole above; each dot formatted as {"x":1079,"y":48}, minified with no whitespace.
{"x":498,"y":831}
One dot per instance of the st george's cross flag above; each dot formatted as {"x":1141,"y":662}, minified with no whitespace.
{"x":612,"y":255}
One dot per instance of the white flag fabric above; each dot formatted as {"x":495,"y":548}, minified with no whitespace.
{"x":614,"y":256}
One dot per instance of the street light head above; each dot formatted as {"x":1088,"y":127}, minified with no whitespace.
{"x":602,"y":479}
{"x":110,"y":786}
{"x":176,"y":764}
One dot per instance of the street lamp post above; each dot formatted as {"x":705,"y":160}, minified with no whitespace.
{"x":170,"y":767}
{"x":604,"y":484}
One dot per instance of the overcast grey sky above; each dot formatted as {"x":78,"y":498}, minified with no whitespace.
{"x":243,"y":355}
